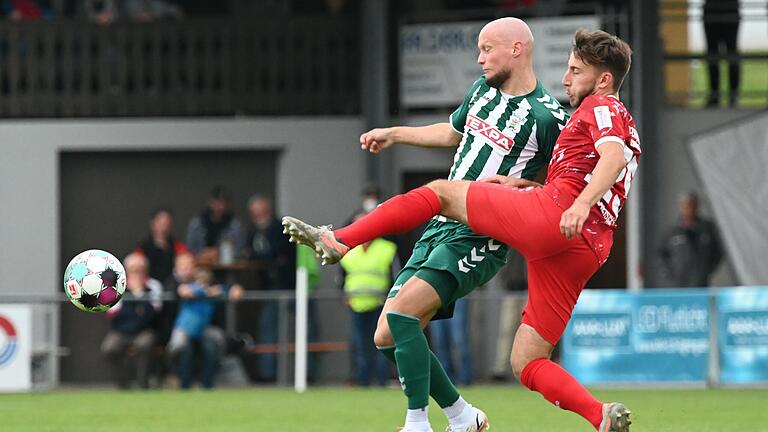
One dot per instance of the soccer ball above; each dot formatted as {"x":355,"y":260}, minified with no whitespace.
{"x":94,"y":280}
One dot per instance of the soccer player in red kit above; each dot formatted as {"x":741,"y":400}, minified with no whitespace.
{"x":564,"y":228}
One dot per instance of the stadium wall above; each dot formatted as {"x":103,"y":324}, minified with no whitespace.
{"x":319,"y":159}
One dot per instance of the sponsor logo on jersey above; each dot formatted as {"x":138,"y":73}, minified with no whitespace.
{"x":603,"y":117}
{"x":489,"y":131}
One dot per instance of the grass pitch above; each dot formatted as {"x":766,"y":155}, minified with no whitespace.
{"x":510,"y":408}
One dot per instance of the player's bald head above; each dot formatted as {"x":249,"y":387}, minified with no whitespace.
{"x":509,"y":30}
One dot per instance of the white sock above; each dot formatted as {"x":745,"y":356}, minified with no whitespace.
{"x":454,"y":411}
{"x":418,"y":418}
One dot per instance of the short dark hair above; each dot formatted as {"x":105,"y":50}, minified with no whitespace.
{"x":157,"y":210}
{"x":604,"y":50}
{"x":219,"y":192}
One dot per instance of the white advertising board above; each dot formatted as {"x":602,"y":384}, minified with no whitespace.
{"x":438,"y":62}
{"x":15,"y":347}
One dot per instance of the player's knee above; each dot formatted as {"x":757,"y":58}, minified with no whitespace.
{"x":382,"y":337}
{"x":518,"y":363}
{"x":439,"y":188}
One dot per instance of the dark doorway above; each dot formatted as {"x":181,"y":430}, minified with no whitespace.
{"x":105,"y":202}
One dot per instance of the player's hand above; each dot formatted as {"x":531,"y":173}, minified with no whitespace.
{"x":185,"y":291}
{"x":572,"y":220}
{"x":376,"y":140}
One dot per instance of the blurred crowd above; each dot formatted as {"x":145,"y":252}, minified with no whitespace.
{"x":174,"y":322}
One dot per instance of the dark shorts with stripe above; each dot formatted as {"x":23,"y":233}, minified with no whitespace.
{"x":454,"y":260}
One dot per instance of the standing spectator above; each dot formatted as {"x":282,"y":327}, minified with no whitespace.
{"x":132,"y":336}
{"x":721,"y":27}
{"x":265,"y":243}
{"x":216,"y":234}
{"x":450,"y":342}
{"x":161,"y":249}
{"x":691,"y":249}
{"x":368,"y":271}
{"x":193,"y":324}
{"x":512,"y":280}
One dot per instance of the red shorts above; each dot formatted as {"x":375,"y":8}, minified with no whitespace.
{"x":528,"y":220}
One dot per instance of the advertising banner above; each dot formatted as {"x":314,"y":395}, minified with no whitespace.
{"x":15,"y":347}
{"x":438,"y":62}
{"x":659,"y":336}
{"x":742,"y":323}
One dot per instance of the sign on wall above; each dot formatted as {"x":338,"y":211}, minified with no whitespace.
{"x":438,"y":62}
{"x":659,"y":336}
{"x":742,"y":322}
{"x":15,"y":347}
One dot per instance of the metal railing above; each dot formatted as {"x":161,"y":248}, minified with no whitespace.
{"x":195,"y":67}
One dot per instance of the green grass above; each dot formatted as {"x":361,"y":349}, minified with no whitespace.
{"x":338,"y":409}
{"x":753,"y":89}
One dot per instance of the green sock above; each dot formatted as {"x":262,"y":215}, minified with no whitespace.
{"x":412,"y":358}
{"x":441,"y":388}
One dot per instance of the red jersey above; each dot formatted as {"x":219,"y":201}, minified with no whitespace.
{"x":598,"y":119}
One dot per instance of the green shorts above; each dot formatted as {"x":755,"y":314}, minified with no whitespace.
{"x":454,"y":260}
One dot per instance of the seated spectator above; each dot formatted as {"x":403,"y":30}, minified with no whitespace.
{"x":216,"y":234}
{"x":131,"y":337}
{"x":193,"y":325}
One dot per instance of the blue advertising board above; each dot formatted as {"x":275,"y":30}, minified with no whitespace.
{"x":658,"y":336}
{"x":742,"y":323}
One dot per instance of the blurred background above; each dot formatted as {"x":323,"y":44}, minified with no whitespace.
{"x":161,"y":127}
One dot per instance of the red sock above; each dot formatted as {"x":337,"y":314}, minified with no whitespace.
{"x":560,"y":388}
{"x":396,"y":215}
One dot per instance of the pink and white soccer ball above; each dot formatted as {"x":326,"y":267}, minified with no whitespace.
{"x":94,"y":280}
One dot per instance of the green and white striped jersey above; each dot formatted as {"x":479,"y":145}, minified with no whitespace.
{"x":504,"y":134}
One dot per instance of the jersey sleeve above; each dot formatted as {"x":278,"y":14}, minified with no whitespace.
{"x":548,"y":129}
{"x":605,"y":122}
{"x":459,"y":117}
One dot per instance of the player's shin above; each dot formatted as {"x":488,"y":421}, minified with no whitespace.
{"x":398,"y":214}
{"x":561,"y":389}
{"x":412,"y":357}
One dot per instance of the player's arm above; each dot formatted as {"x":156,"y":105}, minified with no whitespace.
{"x":606,"y":171}
{"x":435,"y":135}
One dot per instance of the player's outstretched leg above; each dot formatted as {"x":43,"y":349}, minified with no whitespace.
{"x":319,"y":238}
{"x":615,"y":418}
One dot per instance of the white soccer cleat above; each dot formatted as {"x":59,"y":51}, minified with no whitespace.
{"x":615,"y":418}
{"x":319,"y":238}
{"x":478,"y":424}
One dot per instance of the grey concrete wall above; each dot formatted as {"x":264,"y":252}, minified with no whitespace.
{"x":668,"y":172}
{"x":319,"y":174}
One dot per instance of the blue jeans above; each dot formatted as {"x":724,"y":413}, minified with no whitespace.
{"x":368,"y":360}
{"x":211,"y":345}
{"x":268,"y":335}
{"x":449,"y":336}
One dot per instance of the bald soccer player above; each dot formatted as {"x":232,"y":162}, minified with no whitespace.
{"x":506,"y":125}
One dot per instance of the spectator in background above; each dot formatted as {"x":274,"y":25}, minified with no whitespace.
{"x":691,"y":250}
{"x":27,"y":10}
{"x":513,"y":281}
{"x":451,"y":344}
{"x":266,"y":244}
{"x":721,"y":27}
{"x":160,"y":247}
{"x":131,"y":336}
{"x":367,"y":274}
{"x":216,"y":234}
{"x":151,"y":10}
{"x":102,"y":12}
{"x":194,"y":323}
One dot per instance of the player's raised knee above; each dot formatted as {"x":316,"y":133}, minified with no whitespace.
{"x":382,"y":337}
